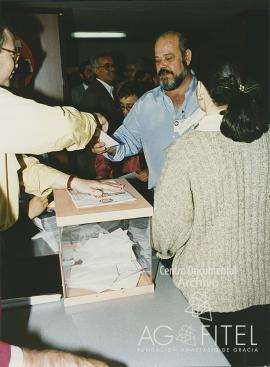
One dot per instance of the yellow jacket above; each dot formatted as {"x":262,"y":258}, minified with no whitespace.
{"x":33,"y":128}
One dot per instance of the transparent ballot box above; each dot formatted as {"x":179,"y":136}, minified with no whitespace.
{"x":105,"y":250}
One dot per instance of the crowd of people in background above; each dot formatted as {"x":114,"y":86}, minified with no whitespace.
{"x":141,"y":72}
{"x":99,"y":85}
{"x":211,"y":200}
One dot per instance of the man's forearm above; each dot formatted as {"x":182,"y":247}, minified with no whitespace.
{"x":53,"y":358}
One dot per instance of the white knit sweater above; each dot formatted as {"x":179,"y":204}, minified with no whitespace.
{"x":212,"y":211}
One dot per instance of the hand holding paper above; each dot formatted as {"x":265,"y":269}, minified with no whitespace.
{"x":102,"y":128}
{"x":105,"y":143}
{"x":105,"y":138}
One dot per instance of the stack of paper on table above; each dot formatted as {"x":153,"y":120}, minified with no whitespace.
{"x":107,"y":262}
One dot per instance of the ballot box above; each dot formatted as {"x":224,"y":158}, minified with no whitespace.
{"x":105,"y":245}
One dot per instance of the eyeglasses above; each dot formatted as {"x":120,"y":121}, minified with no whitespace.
{"x":107,"y":66}
{"x":15,"y":54}
{"x":127,"y":106}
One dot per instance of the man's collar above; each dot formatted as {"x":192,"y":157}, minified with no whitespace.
{"x":106,"y":85}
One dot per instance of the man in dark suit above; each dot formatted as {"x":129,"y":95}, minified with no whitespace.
{"x":100,"y":96}
{"x":86,"y":76}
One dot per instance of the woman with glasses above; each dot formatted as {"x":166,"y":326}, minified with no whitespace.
{"x":128,"y":94}
{"x":29,"y":127}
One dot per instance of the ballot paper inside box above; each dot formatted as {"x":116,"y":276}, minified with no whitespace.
{"x":105,"y":252}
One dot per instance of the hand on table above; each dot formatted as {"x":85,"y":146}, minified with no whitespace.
{"x":95,"y":187}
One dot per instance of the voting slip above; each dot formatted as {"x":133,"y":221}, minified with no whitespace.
{"x":108,"y":198}
{"x":106,"y":262}
{"x":105,"y":138}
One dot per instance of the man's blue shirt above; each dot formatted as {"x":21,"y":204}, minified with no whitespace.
{"x":150,"y":126}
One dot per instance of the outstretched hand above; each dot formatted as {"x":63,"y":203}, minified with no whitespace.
{"x":99,"y":147}
{"x":95,"y":187}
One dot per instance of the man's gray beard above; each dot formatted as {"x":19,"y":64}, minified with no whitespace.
{"x":175,"y":82}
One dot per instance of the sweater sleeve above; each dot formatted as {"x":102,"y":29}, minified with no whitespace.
{"x":35,"y":128}
{"x":173,"y":207}
{"x":37,"y":178}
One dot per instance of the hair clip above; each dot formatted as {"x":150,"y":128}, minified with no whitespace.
{"x":249,"y":87}
{"x":242,"y":88}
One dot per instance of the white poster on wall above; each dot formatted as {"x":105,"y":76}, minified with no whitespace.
{"x":49,"y":80}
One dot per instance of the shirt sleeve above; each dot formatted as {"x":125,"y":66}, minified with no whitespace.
{"x":37,"y":178}
{"x":173,"y":209}
{"x":34,"y":128}
{"x":16,"y":359}
{"x":128,"y":135}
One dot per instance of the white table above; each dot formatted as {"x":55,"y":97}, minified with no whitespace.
{"x":142,"y":331}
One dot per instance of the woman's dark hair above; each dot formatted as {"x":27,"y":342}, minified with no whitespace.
{"x":224,"y":77}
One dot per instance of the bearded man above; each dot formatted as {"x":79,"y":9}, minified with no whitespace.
{"x":163,"y":113}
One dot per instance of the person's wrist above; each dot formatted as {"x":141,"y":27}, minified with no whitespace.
{"x":96,"y":120}
{"x":75,"y":183}
{"x":70,"y":182}
{"x":111,"y":150}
